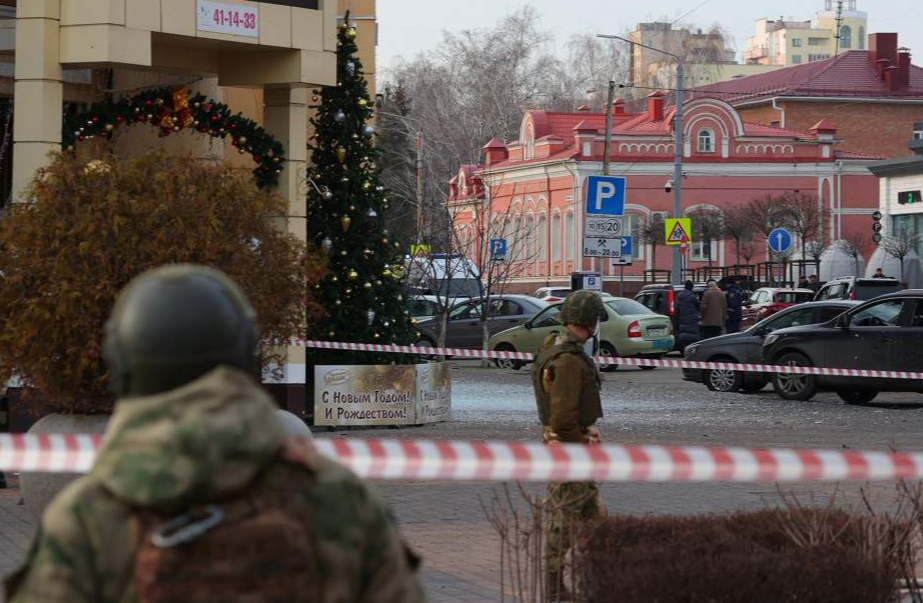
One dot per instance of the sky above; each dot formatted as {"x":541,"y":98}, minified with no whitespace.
{"x":409,"y":27}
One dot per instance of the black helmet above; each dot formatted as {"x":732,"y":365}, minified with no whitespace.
{"x":173,"y":324}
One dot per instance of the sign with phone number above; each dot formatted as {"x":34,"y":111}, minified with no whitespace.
{"x":224,"y":18}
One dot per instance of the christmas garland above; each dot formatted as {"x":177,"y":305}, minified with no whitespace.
{"x":171,"y":110}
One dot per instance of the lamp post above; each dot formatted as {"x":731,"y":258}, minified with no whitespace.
{"x":676,"y":269}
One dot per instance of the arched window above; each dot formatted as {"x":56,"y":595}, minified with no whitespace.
{"x":530,"y":239}
{"x":530,"y":142}
{"x":706,"y":141}
{"x":846,"y":37}
{"x":556,"y":238}
{"x":569,"y":237}
{"x":542,"y":239}
{"x":861,"y":38}
{"x":516,"y":243}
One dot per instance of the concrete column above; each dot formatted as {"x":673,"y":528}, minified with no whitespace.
{"x":39,"y":90}
{"x":286,"y":118}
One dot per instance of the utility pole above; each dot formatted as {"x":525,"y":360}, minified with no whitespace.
{"x":676,"y":269}
{"x":420,"y":187}
{"x":609,"y":100}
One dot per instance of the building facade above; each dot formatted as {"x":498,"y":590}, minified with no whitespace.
{"x":901,"y":194}
{"x":532,"y":191}
{"x":785,"y":43}
{"x":874,"y":96}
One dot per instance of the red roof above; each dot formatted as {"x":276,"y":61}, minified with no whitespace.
{"x":855,"y":155}
{"x":823,"y":126}
{"x":562,"y":124}
{"x":494,"y":144}
{"x":849,"y":74}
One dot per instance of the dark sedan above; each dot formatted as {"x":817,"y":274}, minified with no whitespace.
{"x":885,"y":334}
{"x":463,"y":329}
{"x":746,"y":347}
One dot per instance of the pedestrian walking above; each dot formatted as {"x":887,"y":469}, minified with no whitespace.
{"x":714,"y":311}
{"x":567,"y":384}
{"x":688,"y":316}
{"x":735,"y":305}
{"x":198,"y":494}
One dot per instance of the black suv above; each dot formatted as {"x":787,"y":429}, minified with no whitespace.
{"x":862,"y":289}
{"x":885,"y":334}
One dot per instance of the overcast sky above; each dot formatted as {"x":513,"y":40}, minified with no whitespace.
{"x":408,"y":27}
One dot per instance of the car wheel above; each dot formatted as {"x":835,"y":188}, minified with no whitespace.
{"x":507,"y":363}
{"x":607,"y":350}
{"x":423,"y":344}
{"x":723,"y":380}
{"x":794,"y":386}
{"x":857,"y":397}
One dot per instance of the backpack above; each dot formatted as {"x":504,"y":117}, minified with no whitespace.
{"x":254,"y":549}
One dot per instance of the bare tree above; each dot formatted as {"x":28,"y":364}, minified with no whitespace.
{"x":851,"y":244}
{"x":805,"y":215}
{"x":707,"y":228}
{"x":737,"y":228}
{"x":652,"y":233}
{"x":901,"y":245}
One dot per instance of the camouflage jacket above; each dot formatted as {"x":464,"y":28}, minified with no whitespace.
{"x":197,"y":444}
{"x":566,"y":385}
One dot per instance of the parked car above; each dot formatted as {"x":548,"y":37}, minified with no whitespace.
{"x":766,"y":301}
{"x":628,"y":330}
{"x":427,"y":306}
{"x":556,"y":294}
{"x":746,"y":347}
{"x":463,"y":328}
{"x":661,"y":299}
{"x":884,"y":334}
{"x":862,"y":289}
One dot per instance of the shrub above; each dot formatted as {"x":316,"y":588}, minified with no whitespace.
{"x":88,"y":229}
{"x":739,"y":558}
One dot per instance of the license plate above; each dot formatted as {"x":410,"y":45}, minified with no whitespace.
{"x":657,"y":332}
{"x":663,"y":344}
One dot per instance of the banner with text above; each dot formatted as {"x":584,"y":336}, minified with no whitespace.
{"x":382,"y":394}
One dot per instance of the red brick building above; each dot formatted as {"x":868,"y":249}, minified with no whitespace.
{"x":874,"y":96}
{"x":531,"y":191}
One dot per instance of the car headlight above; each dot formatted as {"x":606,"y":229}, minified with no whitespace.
{"x":692,"y":349}
{"x":771,"y":339}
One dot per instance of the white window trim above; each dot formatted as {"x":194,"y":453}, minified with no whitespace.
{"x":709,"y":134}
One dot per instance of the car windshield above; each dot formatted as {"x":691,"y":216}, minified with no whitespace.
{"x":793,"y":297}
{"x":423,"y":307}
{"x":460,"y":287}
{"x":885,"y":314}
{"x":627,"y":307}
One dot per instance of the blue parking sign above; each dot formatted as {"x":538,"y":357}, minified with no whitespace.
{"x":627,"y":247}
{"x":498,"y":249}
{"x":605,"y":195}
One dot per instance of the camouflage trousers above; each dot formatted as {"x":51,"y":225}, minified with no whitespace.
{"x":568,"y":504}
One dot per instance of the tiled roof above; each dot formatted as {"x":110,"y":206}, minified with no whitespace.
{"x":849,"y":74}
{"x":563,"y":124}
{"x":855,"y":155}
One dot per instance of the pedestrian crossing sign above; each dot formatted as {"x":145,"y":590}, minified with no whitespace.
{"x":678,"y":231}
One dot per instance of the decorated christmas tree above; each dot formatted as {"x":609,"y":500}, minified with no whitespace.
{"x":345,"y":206}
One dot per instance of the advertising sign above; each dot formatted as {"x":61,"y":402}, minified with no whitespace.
{"x":382,"y":394}
{"x":228,"y":18}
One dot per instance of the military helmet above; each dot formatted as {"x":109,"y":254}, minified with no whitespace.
{"x":583,"y":308}
{"x":173,"y":324}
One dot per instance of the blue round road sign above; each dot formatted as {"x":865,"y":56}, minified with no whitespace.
{"x":780,"y":240}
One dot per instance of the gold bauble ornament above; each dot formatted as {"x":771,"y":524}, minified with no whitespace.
{"x":367,"y":286}
{"x":341,"y":154}
{"x":378,"y":283}
{"x":352,"y":208}
{"x":376,"y":336}
{"x":345,"y":222}
{"x":334,"y":279}
{"x":242,"y":140}
{"x":367,"y":186}
{"x":109,"y":127}
{"x":342,"y":26}
{"x":348,"y":291}
{"x":363,"y":102}
{"x":350,"y":33}
{"x":337,"y":303}
{"x":384,"y":240}
{"x":353,"y":275}
{"x":386,"y":273}
{"x":331,"y":334}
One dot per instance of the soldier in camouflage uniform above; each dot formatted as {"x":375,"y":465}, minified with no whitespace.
{"x":198,"y":495}
{"x":567,"y":384}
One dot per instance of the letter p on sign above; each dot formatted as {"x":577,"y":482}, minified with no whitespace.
{"x":606,"y":195}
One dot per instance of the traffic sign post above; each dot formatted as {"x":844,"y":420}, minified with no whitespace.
{"x":876,"y":226}
{"x":497,"y":250}
{"x":603,"y":222}
{"x":678,"y":231}
{"x":780,"y":241}
{"x":623,"y":260}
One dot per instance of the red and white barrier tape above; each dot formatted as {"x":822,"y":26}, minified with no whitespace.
{"x":677,"y":364}
{"x":505,"y":461}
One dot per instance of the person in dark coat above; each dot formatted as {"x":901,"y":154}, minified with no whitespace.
{"x":689,"y":314}
{"x":735,"y":296}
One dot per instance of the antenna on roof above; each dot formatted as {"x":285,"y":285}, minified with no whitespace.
{"x":839,"y":26}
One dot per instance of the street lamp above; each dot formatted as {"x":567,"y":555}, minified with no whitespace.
{"x":676,"y":269}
